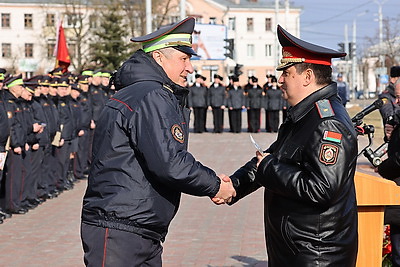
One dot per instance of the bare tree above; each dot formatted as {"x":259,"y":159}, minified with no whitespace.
{"x":78,"y":14}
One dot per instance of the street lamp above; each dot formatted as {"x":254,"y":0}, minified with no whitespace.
{"x":380,"y":4}
{"x":353,"y":55}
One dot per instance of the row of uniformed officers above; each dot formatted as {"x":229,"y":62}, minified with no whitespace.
{"x":252,"y":97}
{"x":47,"y":125}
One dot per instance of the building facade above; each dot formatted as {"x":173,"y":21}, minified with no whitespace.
{"x":28,"y":33}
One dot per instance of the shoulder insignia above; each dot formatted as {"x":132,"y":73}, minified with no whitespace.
{"x":177,"y":133}
{"x":324,"y":108}
{"x":332,"y":136}
{"x":9,"y":114}
{"x":328,"y":154}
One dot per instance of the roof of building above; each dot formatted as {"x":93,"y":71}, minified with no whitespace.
{"x":39,"y":2}
{"x":246,"y":3}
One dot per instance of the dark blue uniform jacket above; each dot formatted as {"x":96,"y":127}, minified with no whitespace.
{"x":140,"y":162}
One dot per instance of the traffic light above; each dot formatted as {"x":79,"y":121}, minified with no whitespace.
{"x":230,"y":47}
{"x":352,"y":50}
{"x":341,"y":49}
{"x":237,"y":70}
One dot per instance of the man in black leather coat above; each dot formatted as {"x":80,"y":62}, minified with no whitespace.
{"x":308,"y":172}
{"x":390,"y":169}
{"x":389,"y":108}
{"x":140,"y":160}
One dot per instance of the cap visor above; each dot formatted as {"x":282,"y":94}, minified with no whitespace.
{"x":285,"y":66}
{"x":186,"y":50}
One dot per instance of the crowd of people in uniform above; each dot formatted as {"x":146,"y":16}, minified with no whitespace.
{"x":251,"y":97}
{"x":47,"y":124}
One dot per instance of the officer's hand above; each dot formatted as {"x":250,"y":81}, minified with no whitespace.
{"x":260,"y":156}
{"x":92,"y":124}
{"x":388,"y":130}
{"x":226,"y":191}
{"x":26,"y":147}
{"x":81,"y":133}
{"x":61,"y":142}
{"x":35,"y":147}
{"x":17,"y":150}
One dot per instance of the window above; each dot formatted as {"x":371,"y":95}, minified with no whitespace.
{"x":50,"y":50}
{"x":50,"y":20}
{"x":250,"y":50}
{"x":213,"y":20}
{"x":5,"y":20}
{"x":71,"y":50}
{"x":6,"y":50}
{"x":251,"y":73}
{"x":28,"y":50}
{"x":268,"y":50}
{"x":93,"y":22}
{"x":250,"y":24}
{"x":268,"y":24}
{"x":199,"y":20}
{"x":73,"y":21}
{"x":231,"y":24}
{"x":28,"y":21}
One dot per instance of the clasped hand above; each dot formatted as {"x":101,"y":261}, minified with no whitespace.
{"x":226,"y":191}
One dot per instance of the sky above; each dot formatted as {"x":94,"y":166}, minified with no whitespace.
{"x":323,"y":21}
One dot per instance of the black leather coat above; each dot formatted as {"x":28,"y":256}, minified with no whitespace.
{"x":140,"y":159}
{"x":310,"y":202}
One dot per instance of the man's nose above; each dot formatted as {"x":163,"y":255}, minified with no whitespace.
{"x":189,"y":67}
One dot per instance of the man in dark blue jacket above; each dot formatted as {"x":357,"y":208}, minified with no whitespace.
{"x":140,"y":161}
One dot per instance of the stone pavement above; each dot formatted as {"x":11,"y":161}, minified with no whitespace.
{"x":202,"y":234}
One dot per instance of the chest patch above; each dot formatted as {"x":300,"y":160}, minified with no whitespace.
{"x":177,"y":133}
{"x":328,"y":154}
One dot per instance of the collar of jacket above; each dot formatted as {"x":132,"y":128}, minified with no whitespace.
{"x":297,"y":112}
{"x":390,"y":89}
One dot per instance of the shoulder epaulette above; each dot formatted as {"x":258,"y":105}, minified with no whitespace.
{"x":324,"y":108}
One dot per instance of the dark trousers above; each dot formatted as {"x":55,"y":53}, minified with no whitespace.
{"x":61,"y":167}
{"x":253,"y":117}
{"x":27,"y":178}
{"x":80,"y":163}
{"x":230,"y":120}
{"x":110,"y":247}
{"x":13,"y":182}
{"x":395,"y":239}
{"x":45,"y":180}
{"x":267,"y":122}
{"x":199,"y":119}
{"x":274,"y":120}
{"x":218,"y":119}
{"x":236,"y":120}
{"x":37,"y":157}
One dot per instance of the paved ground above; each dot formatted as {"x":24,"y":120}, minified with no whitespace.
{"x":202,"y":234}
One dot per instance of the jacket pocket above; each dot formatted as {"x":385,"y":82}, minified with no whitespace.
{"x":285,"y":230}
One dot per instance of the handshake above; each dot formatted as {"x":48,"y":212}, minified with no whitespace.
{"x":226,"y":191}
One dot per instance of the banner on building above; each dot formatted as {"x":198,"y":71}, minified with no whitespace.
{"x":208,"y":41}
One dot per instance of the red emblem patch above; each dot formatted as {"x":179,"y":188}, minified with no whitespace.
{"x":328,"y":154}
{"x":177,"y":133}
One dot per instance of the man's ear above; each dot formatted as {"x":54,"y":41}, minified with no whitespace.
{"x":157,"y":56}
{"x":309,"y":76}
